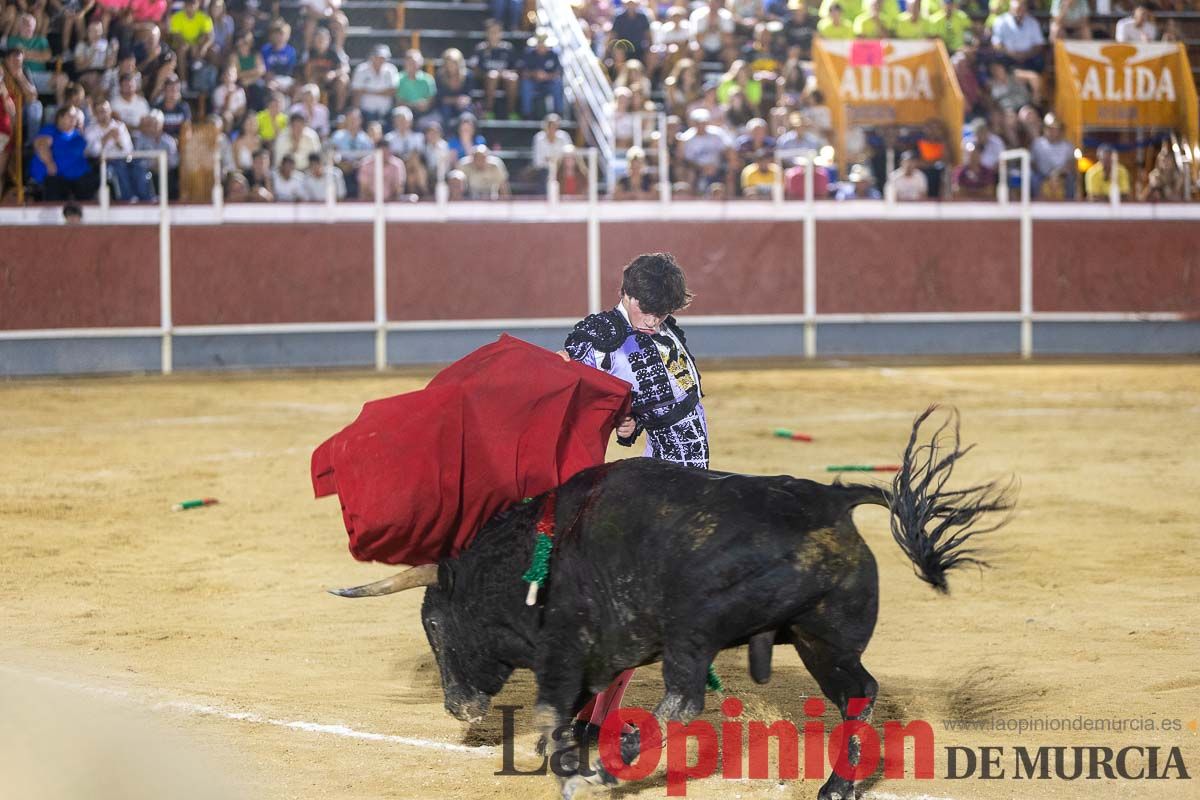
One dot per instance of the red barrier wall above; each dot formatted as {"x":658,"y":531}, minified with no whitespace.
{"x":873,"y":266}
{"x":1116,"y":266}
{"x":78,"y":277}
{"x":732,"y":267}
{"x":481,"y":270}
{"x":265,"y":273}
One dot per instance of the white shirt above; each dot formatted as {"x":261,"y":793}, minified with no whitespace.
{"x":289,"y":190}
{"x":708,"y":32}
{"x":309,"y":143}
{"x":368,"y":80}
{"x":317,"y":119}
{"x":909,"y":187}
{"x":544,"y":149}
{"x":1129,"y":31}
{"x":94,"y":134}
{"x":236,"y":97}
{"x":130,"y":111}
{"x":314,"y":187}
{"x":1007,"y":33}
{"x":1048,"y":156}
{"x":401,"y":144}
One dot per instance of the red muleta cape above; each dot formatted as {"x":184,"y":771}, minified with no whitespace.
{"x":419,"y":474}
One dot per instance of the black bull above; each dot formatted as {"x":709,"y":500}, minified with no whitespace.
{"x":655,"y":562}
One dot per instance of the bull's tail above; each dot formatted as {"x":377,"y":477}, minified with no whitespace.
{"x":933,"y":525}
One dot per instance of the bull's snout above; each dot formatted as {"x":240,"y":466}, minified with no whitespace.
{"x":469,"y":708}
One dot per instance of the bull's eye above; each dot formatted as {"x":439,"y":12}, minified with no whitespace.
{"x":432,"y":625}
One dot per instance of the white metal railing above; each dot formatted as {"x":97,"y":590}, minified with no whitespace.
{"x":1026,"y":239}
{"x":584,"y":81}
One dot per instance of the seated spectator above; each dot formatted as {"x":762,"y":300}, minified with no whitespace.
{"x":737,"y":112}
{"x":541,"y":77}
{"x":19,"y":83}
{"x":739,"y":77}
{"x":454,"y":85}
{"x":246,"y":144}
{"x":438,"y":156}
{"x":760,"y":175}
{"x":908,"y":183}
{"x":624,"y":121}
{"x":37,"y":54}
{"x":350,"y":141}
{"x":93,"y":57}
{"x":869,"y":24}
{"x":571,"y":180}
{"x":633,"y":75}
{"x":800,"y":136}
{"x":402,"y":139}
{"x":800,"y":27}
{"x":374,"y":84}
{"x":1070,"y":19}
{"x":8,"y":125}
{"x":549,"y":143}
{"x":251,"y":72}
{"x":109,"y":137}
{"x":912,"y":24}
{"x":229,"y":99}
{"x":1138,"y":27}
{"x":191,"y":32}
{"x":706,"y":152}
{"x":1018,"y":38}
{"x":328,"y":68}
{"x":1165,"y":183}
{"x":416,"y":88}
{"x":296,"y":140}
{"x":484,"y":174}
{"x":756,"y":138}
{"x":290,"y":184}
{"x":760,"y":52}
{"x":1052,"y":162}
{"x":155,"y":61}
{"x":223,"y":34}
{"x":972,"y":180}
{"x":713,"y":27}
{"x":150,"y":136}
{"x":129,"y":105}
{"x":262,"y":178}
{"x":465,"y":136}
{"x":669,"y":39}
{"x":222,"y":144}
{"x":493,"y":65}
{"x":236,"y":188}
{"x":967,"y":69}
{"x":394,"y":178}
{"x":175,"y":111}
{"x":309,"y":106}
{"x":328,"y":12}
{"x":950,"y":24}
{"x":636,"y":183}
{"x":835,"y":26}
{"x":793,"y":182}
{"x":280,"y":58}
{"x":683,"y":86}
{"x":990,"y":145}
{"x":59,"y":163}
{"x":1097,"y":181}
{"x":859,"y":185}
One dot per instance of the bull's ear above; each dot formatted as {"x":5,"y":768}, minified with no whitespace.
{"x":446,"y":577}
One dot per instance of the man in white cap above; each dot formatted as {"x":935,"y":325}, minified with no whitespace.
{"x":707,"y":150}
{"x":374,"y":84}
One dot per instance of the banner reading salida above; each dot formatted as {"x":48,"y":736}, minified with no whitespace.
{"x":1120,"y":85}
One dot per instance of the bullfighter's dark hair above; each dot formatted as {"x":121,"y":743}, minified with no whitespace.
{"x":656,"y":281}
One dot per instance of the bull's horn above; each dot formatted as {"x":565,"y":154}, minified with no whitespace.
{"x":424,"y":575}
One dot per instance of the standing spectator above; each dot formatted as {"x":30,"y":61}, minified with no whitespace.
{"x":402,"y":139}
{"x":706,"y":152}
{"x":309,"y":106}
{"x":416,"y":88}
{"x":59,"y":164}
{"x":296,"y":140}
{"x":150,"y":136}
{"x":907,"y":183}
{"x":541,"y":77}
{"x":290,"y":184}
{"x":129,"y":105}
{"x":760,"y":175}
{"x":800,"y":27}
{"x":328,"y":67}
{"x":713,"y":27}
{"x":394,"y":178}
{"x":632,"y":25}
{"x":93,"y":56}
{"x":485,"y":174}
{"x":316,"y":180}
{"x":1053,"y":162}
{"x":1069,"y":19}
{"x":272,"y":120}
{"x":109,"y":137}
{"x":493,"y":65}
{"x":251,"y":71}
{"x":911,"y":24}
{"x":280,"y":58}
{"x":18,"y":82}
{"x":835,"y":26}
{"x":870,"y":24}
{"x":1138,"y":27}
{"x":549,"y":143}
{"x":971,"y":179}
{"x":374,"y":84}
{"x":1097,"y":181}
{"x":465,"y":136}
{"x":454,"y":85}
{"x":860,"y":185}
{"x":191,"y":32}
{"x":1018,"y":38}
{"x":636,"y":183}
{"x":950,"y":24}
{"x":175,"y":111}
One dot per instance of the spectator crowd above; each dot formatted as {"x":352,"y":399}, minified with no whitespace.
{"x":294,"y":120}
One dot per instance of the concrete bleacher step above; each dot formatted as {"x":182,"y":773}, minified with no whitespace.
{"x":360,"y":41}
{"x":418,"y":15}
{"x":514,"y":134}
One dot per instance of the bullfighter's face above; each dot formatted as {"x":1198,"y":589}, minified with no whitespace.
{"x":471,"y":674}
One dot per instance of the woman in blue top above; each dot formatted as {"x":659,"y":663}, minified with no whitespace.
{"x":59,"y":164}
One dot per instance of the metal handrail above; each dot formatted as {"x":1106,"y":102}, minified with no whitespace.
{"x":584,"y":80}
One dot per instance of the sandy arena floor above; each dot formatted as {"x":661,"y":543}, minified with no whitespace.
{"x":214,"y":622}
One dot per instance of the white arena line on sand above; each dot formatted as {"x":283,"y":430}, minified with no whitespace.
{"x":202,"y":710}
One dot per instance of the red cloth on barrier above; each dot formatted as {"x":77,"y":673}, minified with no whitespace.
{"x":419,"y":474}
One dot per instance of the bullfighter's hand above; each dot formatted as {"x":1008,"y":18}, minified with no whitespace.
{"x":626,"y":427}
